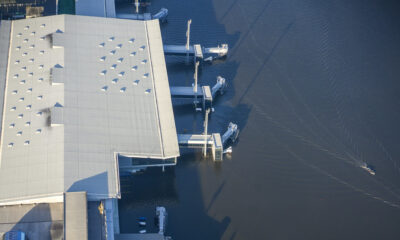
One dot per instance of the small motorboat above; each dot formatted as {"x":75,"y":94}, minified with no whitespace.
{"x":142,"y":224}
{"x":143,"y":231}
{"x":368,"y":168}
{"x":142,"y":221}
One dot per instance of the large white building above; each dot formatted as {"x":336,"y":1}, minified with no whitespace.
{"x":76,"y":92}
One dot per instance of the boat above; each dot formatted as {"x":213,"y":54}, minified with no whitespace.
{"x":142,"y":221}
{"x":368,"y":168}
{"x":142,"y":231}
{"x":142,"y":224}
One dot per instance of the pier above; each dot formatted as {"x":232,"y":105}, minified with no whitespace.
{"x":197,"y":51}
{"x":210,"y":141}
{"x":205,"y":93}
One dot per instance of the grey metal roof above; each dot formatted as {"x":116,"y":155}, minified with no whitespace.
{"x":5,"y":30}
{"x":79,"y":91}
{"x":75,"y":216}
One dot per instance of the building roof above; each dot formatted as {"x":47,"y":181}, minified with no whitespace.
{"x":75,"y":216}
{"x":79,"y":91}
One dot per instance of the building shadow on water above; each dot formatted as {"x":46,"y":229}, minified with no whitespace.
{"x":179,"y":190}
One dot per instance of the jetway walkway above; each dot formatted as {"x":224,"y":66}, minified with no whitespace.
{"x":210,"y":141}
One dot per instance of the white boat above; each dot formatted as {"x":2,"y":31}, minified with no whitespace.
{"x":142,"y":223}
{"x":142,"y":231}
{"x":368,"y":168}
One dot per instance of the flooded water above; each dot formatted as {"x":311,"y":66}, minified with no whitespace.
{"x":314,"y":87}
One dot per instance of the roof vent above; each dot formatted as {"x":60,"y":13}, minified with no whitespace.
{"x":115,"y":80}
{"x":40,"y":80}
{"x":17,"y":62}
{"x":18,"y":48}
{"x":136,"y":82}
{"x":39,"y":114}
{"x":14,"y":92}
{"x":57,"y":115}
{"x":121,"y":74}
{"x":20,"y":115}
{"x":26,"y":142}
{"x":28,"y":107}
{"x":133,"y":54}
{"x":24,"y":54}
{"x":112,"y":52}
{"x":43,"y":38}
{"x":123,"y":89}
{"x":19,"y":133}
{"x":59,"y":31}
{"x":19,"y":34}
{"x":38,"y":131}
{"x":144,"y":61}
{"x":23,"y":68}
{"x":26,"y":40}
{"x":131,"y":40}
{"x":142,"y":48}
{"x":12,"y":125}
{"x":22,"y":82}
{"x":102,"y":44}
{"x":40,"y":97}
{"x":147,"y":91}
{"x":103,"y":58}
{"x":111,"y":39}
{"x":15,"y":76}
{"x":10,"y":145}
{"x":30,"y":74}
{"x":145,"y":75}
{"x":41,"y":66}
{"x":33,"y":33}
{"x":29,"y":90}
{"x":103,"y":72}
{"x":114,"y":66}
{"x":27,"y":124}
{"x":26,"y":27}
{"x":119,"y":46}
{"x":41,"y":52}
{"x":32,"y":46}
{"x":120,"y":60}
{"x":21,"y":99}
{"x":43,"y":25}
{"x":134,"y":68}
{"x":13,"y":109}
{"x":104,"y":88}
